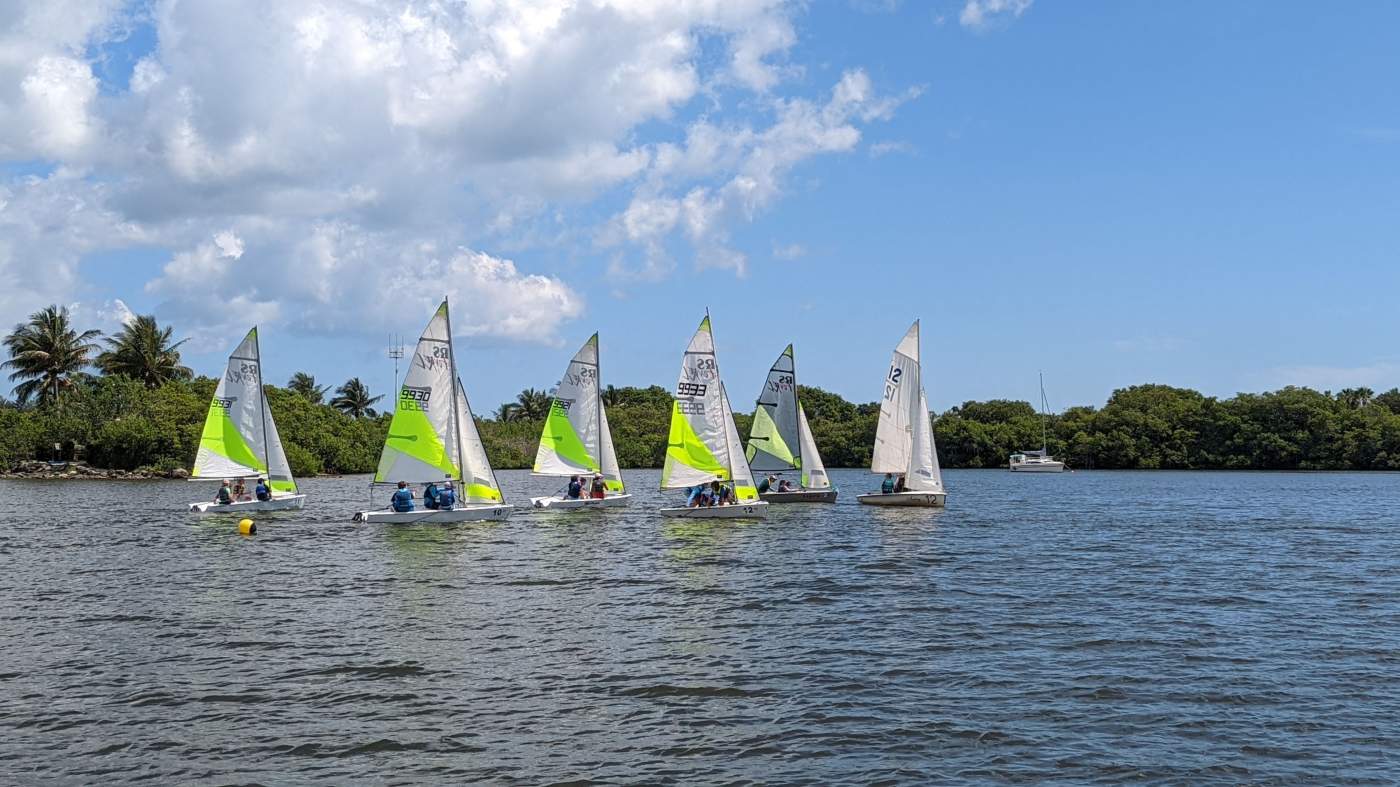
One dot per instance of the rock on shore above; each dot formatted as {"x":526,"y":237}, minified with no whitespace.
{"x":78,"y":470}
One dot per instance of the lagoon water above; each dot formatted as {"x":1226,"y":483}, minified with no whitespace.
{"x":1090,"y":627}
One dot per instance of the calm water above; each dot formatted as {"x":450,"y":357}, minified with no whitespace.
{"x":1093,"y":627}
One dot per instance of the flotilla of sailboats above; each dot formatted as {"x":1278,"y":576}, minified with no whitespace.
{"x":780,"y":441}
{"x":433,"y":442}
{"x":240,"y":440}
{"x":576,"y":441}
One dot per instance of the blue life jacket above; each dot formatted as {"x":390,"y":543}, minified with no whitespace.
{"x":402,"y":500}
{"x":575,"y":489}
{"x":430,"y":496}
{"x":261,"y":492}
{"x":446,"y":499}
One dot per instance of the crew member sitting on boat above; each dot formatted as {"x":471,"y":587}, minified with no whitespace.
{"x":696,"y":497}
{"x":899,"y":483}
{"x":887,"y":486}
{"x":575,"y":490}
{"x":786,"y":486}
{"x":726,"y":495}
{"x":240,"y":492}
{"x":402,"y":500}
{"x":600,"y":489}
{"x":262,"y":491}
{"x":766,"y":484}
{"x":430,"y":496}
{"x":225,"y":495}
{"x":447,"y":498}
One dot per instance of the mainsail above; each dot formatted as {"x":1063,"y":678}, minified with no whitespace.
{"x":240,"y":438}
{"x":780,"y":439}
{"x":704,"y":444}
{"x":576,"y":439}
{"x":904,"y":435}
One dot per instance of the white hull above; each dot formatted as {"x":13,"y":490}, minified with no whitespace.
{"x":925,"y":499}
{"x":752,"y":510}
{"x":279,"y":503}
{"x":800,"y":496}
{"x":427,"y":516}
{"x":1038,"y":467}
{"x":562,"y":503}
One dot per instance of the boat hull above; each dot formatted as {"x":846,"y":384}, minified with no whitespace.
{"x":800,"y":496}
{"x":581,"y":504}
{"x":924,"y":499}
{"x":751,"y":510}
{"x":1038,"y":467}
{"x":279,"y":503}
{"x":474,"y":513}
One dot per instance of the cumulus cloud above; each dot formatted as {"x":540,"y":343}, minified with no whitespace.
{"x":980,"y":14}
{"x":299,"y":156}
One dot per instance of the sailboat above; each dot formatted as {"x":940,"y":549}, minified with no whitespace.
{"x":576,"y":440}
{"x":433,"y":438}
{"x":1038,"y":461}
{"x":240,"y":438}
{"x":903,"y":436}
{"x":780,"y":440}
{"x":704,"y":444}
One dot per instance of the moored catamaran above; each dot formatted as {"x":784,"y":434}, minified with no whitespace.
{"x":433,"y":439}
{"x":576,"y":440}
{"x":904,"y":445}
{"x":704,"y":445}
{"x":240,"y":439}
{"x":780,"y":441}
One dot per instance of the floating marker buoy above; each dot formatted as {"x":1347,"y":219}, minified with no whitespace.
{"x":247,"y":528}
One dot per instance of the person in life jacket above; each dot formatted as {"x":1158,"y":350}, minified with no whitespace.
{"x":887,"y":486}
{"x":599,"y":490}
{"x":262,"y":491}
{"x":447,"y":498}
{"x":402,"y":500}
{"x":575,"y":488}
{"x":225,"y":494}
{"x":430,"y":496}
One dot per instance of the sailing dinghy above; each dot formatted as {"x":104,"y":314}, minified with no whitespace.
{"x":576,"y":440}
{"x":433,"y":438}
{"x":704,"y":444}
{"x":240,"y":438}
{"x":904,"y":436}
{"x":780,"y":440}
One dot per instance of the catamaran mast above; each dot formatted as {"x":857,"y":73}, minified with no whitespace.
{"x":456,"y":427}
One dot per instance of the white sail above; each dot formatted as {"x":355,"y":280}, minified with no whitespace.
{"x":744,"y":489}
{"x":478,"y":479}
{"x":774,"y":445}
{"x":813,"y":471}
{"x":924,"y":474}
{"x":893,"y":438}
{"x":421,"y":445}
{"x":571,"y":443}
{"x":612,"y":474}
{"x":279,"y":471}
{"x":234,"y":441}
{"x":697,"y":448}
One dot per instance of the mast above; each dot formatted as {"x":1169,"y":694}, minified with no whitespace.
{"x":262,"y":403}
{"x":724,"y":396}
{"x":918,"y":400}
{"x":456,"y":427}
{"x":598,"y":397}
{"x":1043,"y":407}
{"x":796,"y":412}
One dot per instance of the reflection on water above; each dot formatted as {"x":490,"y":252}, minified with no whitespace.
{"x":1093,"y":627}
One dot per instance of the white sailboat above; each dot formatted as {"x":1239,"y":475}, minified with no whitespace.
{"x":433,"y":438}
{"x":704,"y":444}
{"x":576,"y":440}
{"x":904,"y":436}
{"x":240,"y":438}
{"x":781,"y":442}
{"x":1038,"y":461}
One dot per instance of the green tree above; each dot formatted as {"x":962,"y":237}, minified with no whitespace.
{"x":354,"y":400}
{"x":510,"y":411}
{"x":305,"y":385}
{"x":533,"y":405}
{"x":145,"y":352}
{"x":47,"y":355}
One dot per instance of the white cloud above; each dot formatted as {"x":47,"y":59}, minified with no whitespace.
{"x":980,"y":14}
{"x":880,"y":149}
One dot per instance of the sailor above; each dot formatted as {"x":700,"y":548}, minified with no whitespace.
{"x":262,"y":491}
{"x":225,"y":495}
{"x":446,"y":498}
{"x":600,"y":489}
{"x":240,"y":492}
{"x":575,"y":488}
{"x":715,"y":496}
{"x":696,"y":496}
{"x":430,"y":495}
{"x":887,"y":486}
{"x":402,"y":500}
{"x":766,"y":484}
{"x":899,"y":483}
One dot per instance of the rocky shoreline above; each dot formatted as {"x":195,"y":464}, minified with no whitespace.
{"x":35,"y":470}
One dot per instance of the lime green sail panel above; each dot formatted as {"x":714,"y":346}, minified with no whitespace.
{"x":233,"y":442}
{"x":222,"y":440}
{"x":685,"y":448}
{"x":774,"y":453}
{"x":412,"y":435}
{"x":560,"y":438}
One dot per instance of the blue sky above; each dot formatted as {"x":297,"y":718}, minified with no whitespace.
{"x":1200,"y":194}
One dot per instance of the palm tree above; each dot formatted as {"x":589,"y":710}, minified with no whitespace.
{"x":1355,"y":398}
{"x":533,"y":405}
{"x":507,"y":412}
{"x":143,"y":351}
{"x":611,"y":396}
{"x":354,"y":400}
{"x":305,"y":384}
{"x":47,"y":355}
